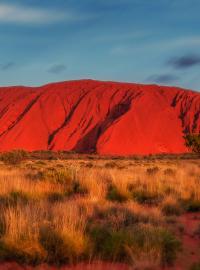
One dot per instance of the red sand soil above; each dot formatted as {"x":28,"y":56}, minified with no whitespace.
{"x":190,"y":241}
{"x":94,"y":266}
{"x":104,"y":117}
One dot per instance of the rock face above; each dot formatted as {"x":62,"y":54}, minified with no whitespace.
{"x":104,"y":117}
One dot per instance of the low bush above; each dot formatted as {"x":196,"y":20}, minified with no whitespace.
{"x":60,"y":248}
{"x":18,"y":196}
{"x":152,"y":171}
{"x":111,"y":164}
{"x":108,"y":244}
{"x":191,"y":205}
{"x":14,"y":157}
{"x":146,"y":197}
{"x":170,"y":246}
{"x":24,"y":253}
{"x":54,"y":197}
{"x":118,"y":245}
{"x":170,"y":172}
{"x":77,"y":188}
{"x":115,"y":217}
{"x":171,"y":209}
{"x":55,"y":246}
{"x":113,"y":194}
{"x":14,"y":197}
{"x":62,"y":176}
{"x":192,"y":141}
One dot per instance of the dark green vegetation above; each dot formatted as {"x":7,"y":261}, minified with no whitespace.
{"x":193,"y":142}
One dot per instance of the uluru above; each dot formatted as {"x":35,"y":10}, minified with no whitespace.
{"x":107,"y":118}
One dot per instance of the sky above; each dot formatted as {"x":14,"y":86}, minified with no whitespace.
{"x":144,"y":41}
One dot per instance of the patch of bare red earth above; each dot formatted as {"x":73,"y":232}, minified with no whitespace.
{"x":92,"y":116}
{"x":191,"y":241}
{"x":93,"y":266}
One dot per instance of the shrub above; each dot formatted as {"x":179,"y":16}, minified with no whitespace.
{"x":152,"y":171}
{"x":63,"y":176}
{"x":169,"y":172}
{"x":14,"y":157}
{"x":192,"y":141}
{"x":54,"y":197}
{"x":113,"y":194}
{"x":170,"y":246}
{"x":110,"y":165}
{"x":171,"y":209}
{"x":21,"y":253}
{"x":144,"y":196}
{"x":18,"y":196}
{"x":115,"y":217}
{"x":118,"y":245}
{"x":60,"y":248}
{"x":2,"y":226}
{"x":13,"y":198}
{"x":108,"y":244}
{"x":55,"y":246}
{"x":77,"y":188}
{"x":191,"y":205}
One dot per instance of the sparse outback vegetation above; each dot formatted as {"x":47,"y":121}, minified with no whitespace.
{"x":192,"y":141}
{"x":62,"y":211}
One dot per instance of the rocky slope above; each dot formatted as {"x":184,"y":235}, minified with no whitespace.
{"x":104,"y":117}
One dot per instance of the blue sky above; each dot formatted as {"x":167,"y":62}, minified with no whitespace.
{"x":146,"y":41}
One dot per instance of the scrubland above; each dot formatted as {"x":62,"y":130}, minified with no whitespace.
{"x":144,"y":213}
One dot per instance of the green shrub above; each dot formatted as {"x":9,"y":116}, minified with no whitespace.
{"x":21,"y":254}
{"x":14,"y":157}
{"x":54,"y":197}
{"x":53,"y":243}
{"x":170,"y":246}
{"x":18,"y":196}
{"x":59,"y":247}
{"x":192,"y":141}
{"x":13,"y":198}
{"x":194,"y":206}
{"x":110,"y":165}
{"x":191,"y":205}
{"x":63,"y":176}
{"x":77,"y":188}
{"x":146,"y":197}
{"x":2,"y":226}
{"x":114,"y":245}
{"x":169,"y":172}
{"x":113,"y":194}
{"x":152,"y":171}
{"x":108,"y":244}
{"x":171,"y":209}
{"x":115,"y":217}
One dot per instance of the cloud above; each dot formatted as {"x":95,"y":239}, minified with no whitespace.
{"x":170,"y":44}
{"x":7,"y":66}
{"x":163,"y":78}
{"x":185,"y":61}
{"x":10,"y":13}
{"x":116,"y":37}
{"x":57,"y":68}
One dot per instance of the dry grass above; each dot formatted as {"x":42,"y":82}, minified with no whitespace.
{"x":61,"y":211}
